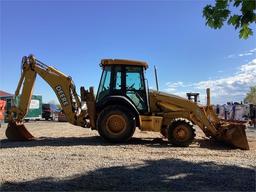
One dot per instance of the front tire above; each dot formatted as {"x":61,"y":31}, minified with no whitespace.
{"x":116,"y":124}
{"x":181,"y":133}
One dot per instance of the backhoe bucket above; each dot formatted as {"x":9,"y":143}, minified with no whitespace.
{"x":234,"y":134}
{"x":17,"y":132}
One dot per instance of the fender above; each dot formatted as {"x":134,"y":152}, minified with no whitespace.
{"x":116,"y":99}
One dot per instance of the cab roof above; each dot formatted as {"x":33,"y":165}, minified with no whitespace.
{"x":105,"y":62}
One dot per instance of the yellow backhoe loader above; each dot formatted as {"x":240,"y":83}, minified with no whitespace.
{"x":123,"y":102}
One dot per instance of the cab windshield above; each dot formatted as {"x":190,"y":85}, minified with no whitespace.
{"x":126,"y":81}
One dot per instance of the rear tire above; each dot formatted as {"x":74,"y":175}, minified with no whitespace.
{"x":116,"y":124}
{"x":181,"y":133}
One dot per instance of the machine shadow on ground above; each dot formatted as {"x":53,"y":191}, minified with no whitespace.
{"x":158,"y":175}
{"x":98,"y":141}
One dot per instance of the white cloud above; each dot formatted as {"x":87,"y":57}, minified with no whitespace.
{"x":253,"y":50}
{"x":246,"y":53}
{"x":231,"y":56}
{"x":175,"y":84}
{"x":224,"y":89}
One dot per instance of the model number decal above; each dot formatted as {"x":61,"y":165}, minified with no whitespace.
{"x":61,"y":95}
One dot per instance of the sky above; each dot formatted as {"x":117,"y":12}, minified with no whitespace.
{"x":73,"y":36}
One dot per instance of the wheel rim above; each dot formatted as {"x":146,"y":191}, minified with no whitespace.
{"x":116,"y":124}
{"x":181,"y":133}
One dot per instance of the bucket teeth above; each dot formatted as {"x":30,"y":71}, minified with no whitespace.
{"x":18,"y":132}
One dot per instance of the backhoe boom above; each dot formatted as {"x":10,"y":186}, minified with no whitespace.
{"x":62,"y":85}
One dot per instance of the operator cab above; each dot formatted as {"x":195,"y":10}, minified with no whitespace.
{"x":124,"y":78}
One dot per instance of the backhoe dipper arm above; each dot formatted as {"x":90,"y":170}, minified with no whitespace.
{"x":62,"y":85}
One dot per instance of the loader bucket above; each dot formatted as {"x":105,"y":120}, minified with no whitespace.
{"x":17,"y":132}
{"x":234,"y":134}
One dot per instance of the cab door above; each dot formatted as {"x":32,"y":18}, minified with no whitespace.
{"x":135,"y":88}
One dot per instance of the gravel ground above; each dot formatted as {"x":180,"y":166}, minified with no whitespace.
{"x":67,"y":158}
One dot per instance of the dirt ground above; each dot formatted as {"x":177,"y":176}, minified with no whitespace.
{"x":67,"y":158}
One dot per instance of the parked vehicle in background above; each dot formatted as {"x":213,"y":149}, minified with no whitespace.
{"x":35,"y":108}
{"x":49,"y":111}
{"x":60,"y":116}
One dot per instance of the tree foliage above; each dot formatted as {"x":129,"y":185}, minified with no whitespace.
{"x":251,"y":96}
{"x":216,"y":15}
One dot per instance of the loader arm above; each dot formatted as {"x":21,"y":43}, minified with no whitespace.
{"x":61,"y":84}
{"x":175,"y":106}
{"x":172,"y":107}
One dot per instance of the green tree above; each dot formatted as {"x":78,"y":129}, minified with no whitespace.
{"x":216,"y":15}
{"x":251,"y":96}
